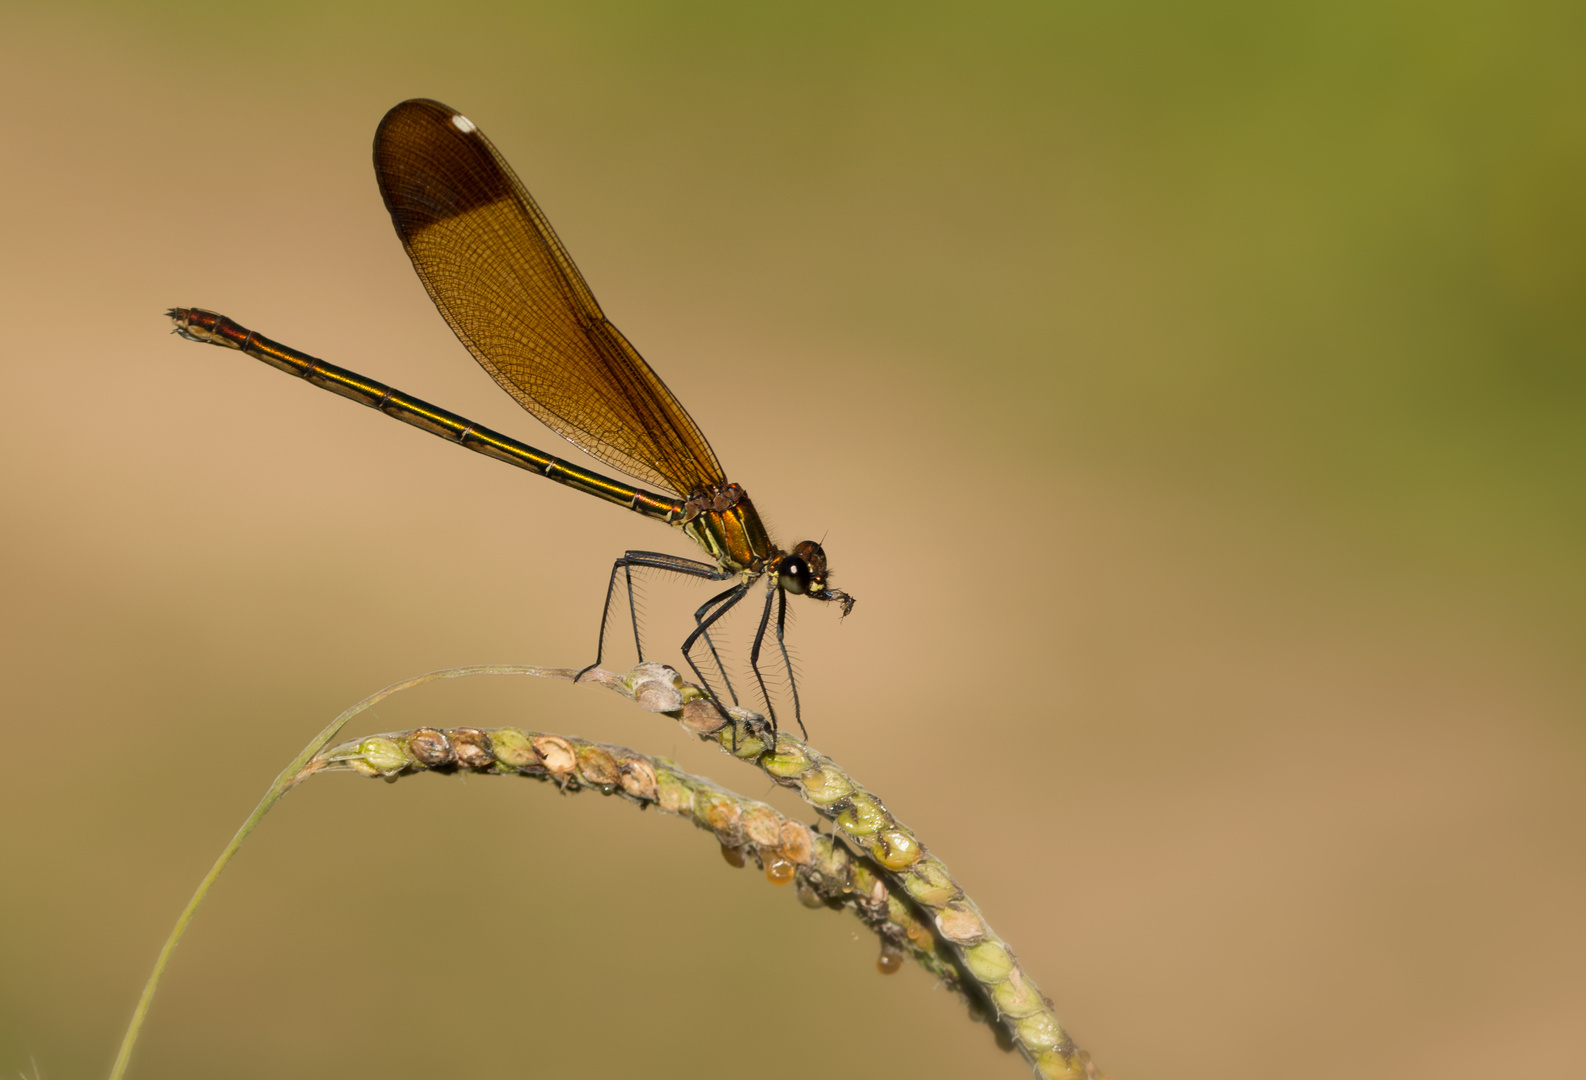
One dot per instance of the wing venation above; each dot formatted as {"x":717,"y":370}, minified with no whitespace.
{"x":506,"y":285}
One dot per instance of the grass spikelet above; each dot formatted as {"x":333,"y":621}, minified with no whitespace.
{"x":871,"y":865}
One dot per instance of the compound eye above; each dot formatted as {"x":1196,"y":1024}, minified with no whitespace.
{"x":794,"y":575}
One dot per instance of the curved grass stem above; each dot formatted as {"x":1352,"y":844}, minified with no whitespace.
{"x":879,"y":869}
{"x":290,"y":777}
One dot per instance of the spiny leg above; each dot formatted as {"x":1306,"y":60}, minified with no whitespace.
{"x":754,"y":653}
{"x":722,"y":603}
{"x":721,"y":668}
{"x":787,"y":661}
{"x":652,"y":560}
{"x":727,"y":600}
{"x":633,"y":611}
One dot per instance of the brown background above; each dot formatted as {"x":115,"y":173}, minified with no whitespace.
{"x":1192,"y":396}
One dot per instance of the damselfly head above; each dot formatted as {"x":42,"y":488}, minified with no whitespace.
{"x":803,"y":572}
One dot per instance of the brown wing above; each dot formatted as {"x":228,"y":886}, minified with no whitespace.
{"x":502,"y":279}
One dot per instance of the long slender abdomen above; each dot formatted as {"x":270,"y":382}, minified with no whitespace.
{"x":196,"y":324}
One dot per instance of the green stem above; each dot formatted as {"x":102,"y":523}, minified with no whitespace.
{"x":293,"y":775}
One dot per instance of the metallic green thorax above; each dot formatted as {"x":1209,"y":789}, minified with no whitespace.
{"x":735,"y":538}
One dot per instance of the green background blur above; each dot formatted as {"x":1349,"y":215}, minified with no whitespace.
{"x":1192,"y":395}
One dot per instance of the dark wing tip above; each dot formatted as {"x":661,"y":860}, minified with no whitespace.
{"x":433,"y":163}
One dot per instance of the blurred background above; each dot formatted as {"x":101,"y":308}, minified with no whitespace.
{"x":1192,"y":396}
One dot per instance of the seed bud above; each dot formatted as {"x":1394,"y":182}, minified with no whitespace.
{"x":472,"y":747}
{"x":431,"y":748}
